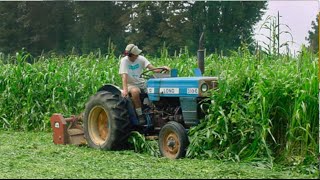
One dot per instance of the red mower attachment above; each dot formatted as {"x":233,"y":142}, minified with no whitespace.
{"x":67,"y":130}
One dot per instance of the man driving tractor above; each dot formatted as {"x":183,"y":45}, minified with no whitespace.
{"x":131,"y":68}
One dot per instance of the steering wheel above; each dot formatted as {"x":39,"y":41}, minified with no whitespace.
{"x":147,"y":75}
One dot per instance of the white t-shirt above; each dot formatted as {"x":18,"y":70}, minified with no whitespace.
{"x":133,"y":69}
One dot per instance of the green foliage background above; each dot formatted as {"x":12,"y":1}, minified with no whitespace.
{"x":266,"y":107}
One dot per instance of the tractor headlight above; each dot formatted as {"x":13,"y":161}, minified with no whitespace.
{"x":204,"y":87}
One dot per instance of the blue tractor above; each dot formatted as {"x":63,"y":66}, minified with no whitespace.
{"x":171,"y":106}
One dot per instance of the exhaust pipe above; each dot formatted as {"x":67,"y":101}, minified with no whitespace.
{"x":201,"y":54}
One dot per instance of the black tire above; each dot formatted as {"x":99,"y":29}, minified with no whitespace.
{"x":106,"y":121}
{"x":173,"y":140}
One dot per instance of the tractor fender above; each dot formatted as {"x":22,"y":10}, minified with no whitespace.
{"x":111,"y":88}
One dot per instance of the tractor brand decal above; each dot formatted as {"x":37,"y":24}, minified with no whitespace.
{"x":169,"y":90}
{"x":151,"y":90}
{"x":192,"y":91}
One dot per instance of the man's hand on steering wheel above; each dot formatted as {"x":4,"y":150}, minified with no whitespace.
{"x":163,"y":69}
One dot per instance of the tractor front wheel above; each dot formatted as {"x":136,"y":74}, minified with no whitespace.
{"x":173,"y":140}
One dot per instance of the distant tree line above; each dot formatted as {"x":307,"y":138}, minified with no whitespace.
{"x":313,"y":36}
{"x":84,"y":26}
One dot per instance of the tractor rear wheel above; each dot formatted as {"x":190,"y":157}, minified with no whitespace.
{"x":106,"y":121}
{"x":173,"y":140}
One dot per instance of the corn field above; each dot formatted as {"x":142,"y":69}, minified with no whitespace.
{"x":265,"y":106}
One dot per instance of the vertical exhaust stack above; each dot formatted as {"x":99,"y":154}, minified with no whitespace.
{"x":201,"y":54}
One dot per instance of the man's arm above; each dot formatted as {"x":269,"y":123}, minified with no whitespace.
{"x":151,"y":67}
{"x":124,"y":77}
{"x":123,"y":72}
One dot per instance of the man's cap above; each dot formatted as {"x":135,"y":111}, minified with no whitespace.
{"x":133,"y":49}
{"x":129,"y":46}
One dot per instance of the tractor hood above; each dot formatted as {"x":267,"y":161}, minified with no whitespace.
{"x":180,"y":87}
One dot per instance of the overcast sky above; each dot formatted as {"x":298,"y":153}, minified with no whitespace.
{"x":298,"y":15}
